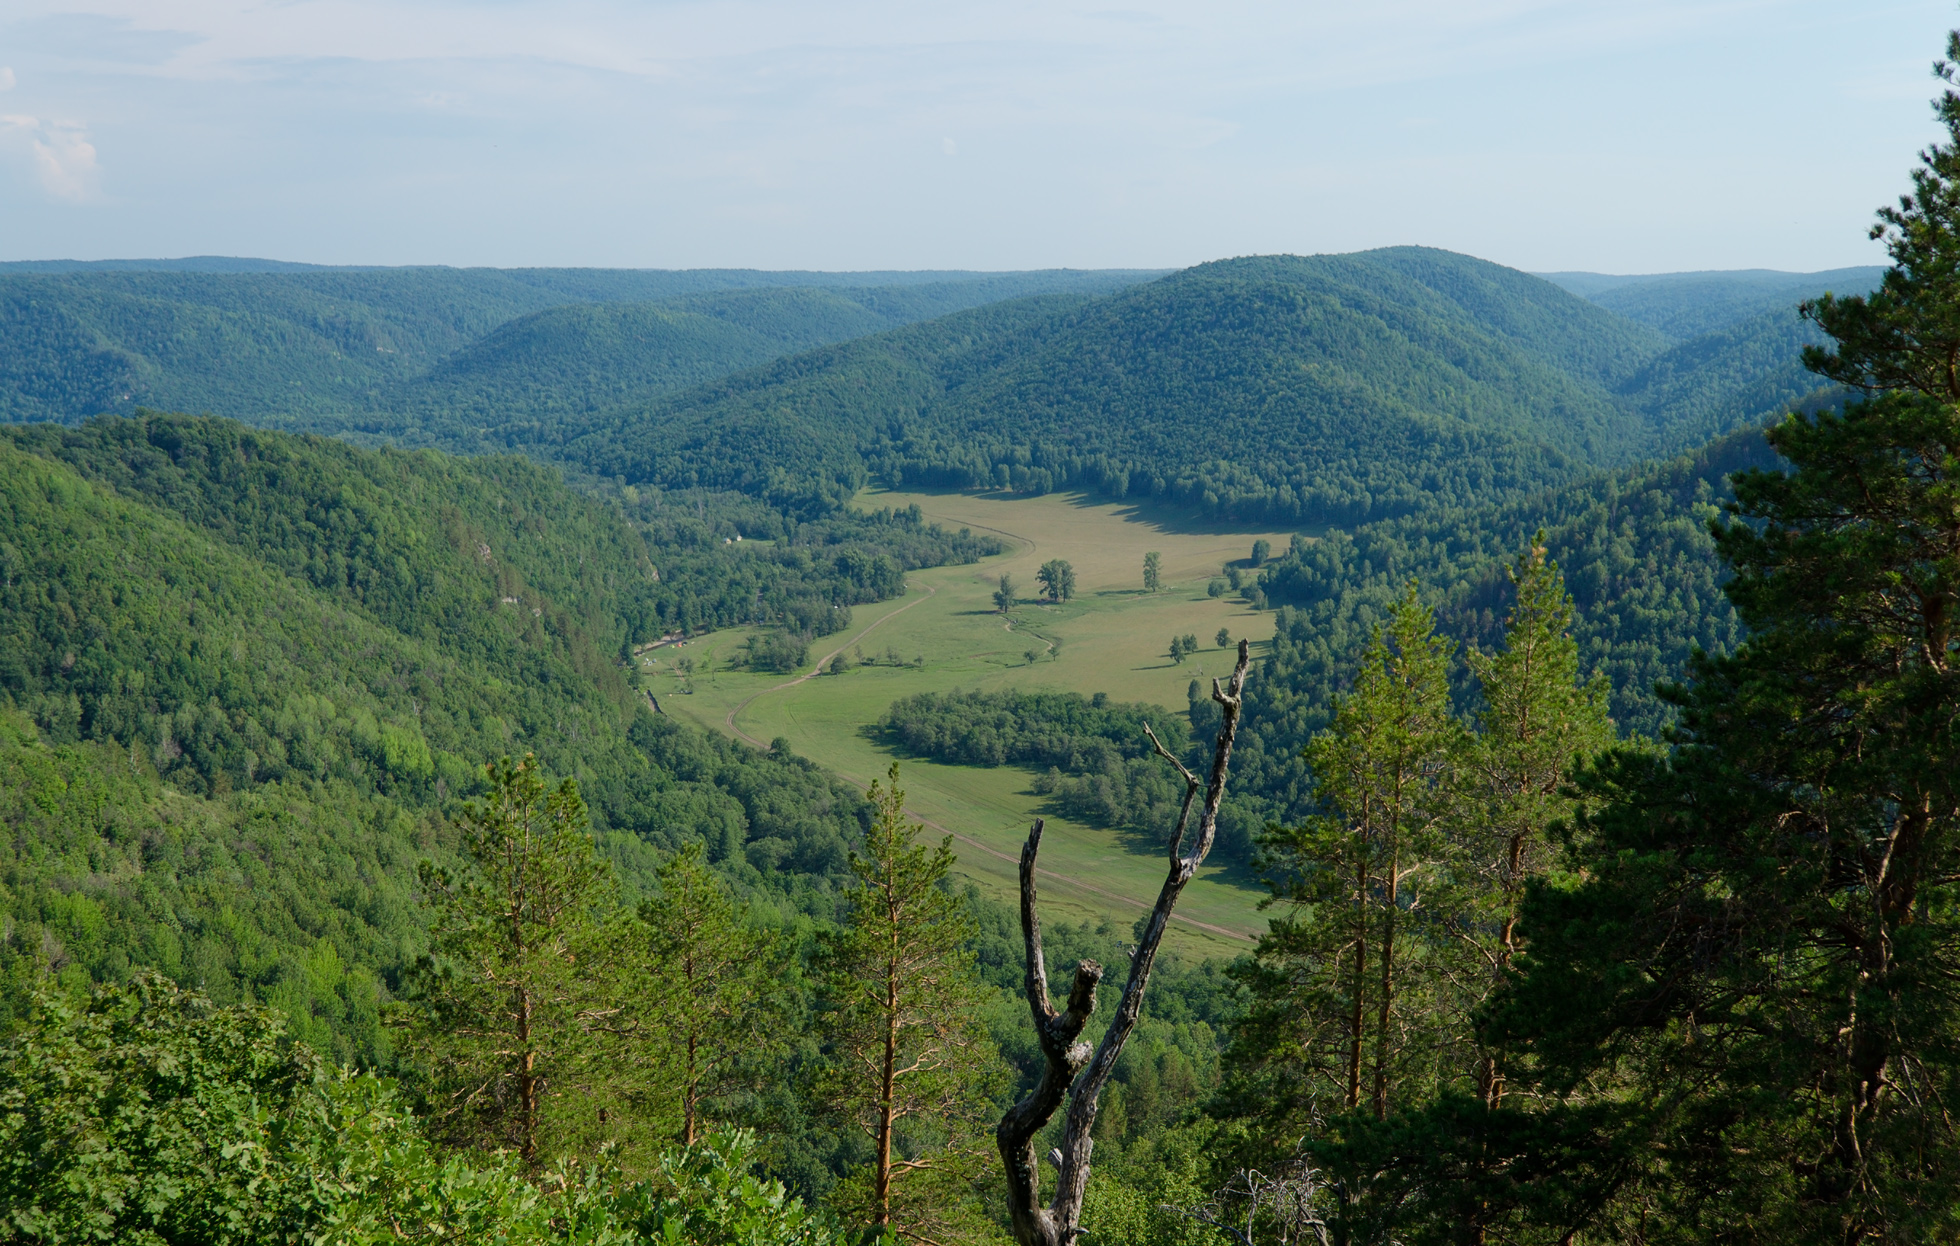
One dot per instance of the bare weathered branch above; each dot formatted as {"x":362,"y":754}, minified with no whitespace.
{"x":1071,"y":1070}
{"x":1191,"y":783}
{"x":1167,"y":755}
{"x":1064,"y":1057}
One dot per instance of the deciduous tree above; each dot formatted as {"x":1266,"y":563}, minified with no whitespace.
{"x":1058,"y":577}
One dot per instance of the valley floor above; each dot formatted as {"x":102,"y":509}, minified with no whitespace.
{"x":1113,"y":638}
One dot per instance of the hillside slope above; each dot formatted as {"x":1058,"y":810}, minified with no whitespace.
{"x":225,"y":650}
{"x":1636,"y":554}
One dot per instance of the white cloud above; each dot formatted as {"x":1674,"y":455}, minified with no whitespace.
{"x":6,"y":78}
{"x":59,"y":152}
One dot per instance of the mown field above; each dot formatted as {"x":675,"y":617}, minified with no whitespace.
{"x":945,"y":633}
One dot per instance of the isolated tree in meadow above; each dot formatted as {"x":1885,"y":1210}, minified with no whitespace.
{"x":710,"y":994}
{"x":1004,"y":595}
{"x":1177,"y":649}
{"x":1071,"y":1070}
{"x":1153,"y":568}
{"x":1058,"y":577}
{"x":911,"y":1064}
{"x":1224,"y":637}
{"x":1262,"y":549}
{"x":516,"y":971}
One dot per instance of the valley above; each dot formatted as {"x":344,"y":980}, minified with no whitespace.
{"x":709,"y":554}
{"x":1112,"y":638}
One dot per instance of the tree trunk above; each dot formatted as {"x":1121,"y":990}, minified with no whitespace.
{"x":882,"y":1190}
{"x":527,"y":1080}
{"x":1357,"y":1021}
{"x":1387,"y":1004}
{"x":1070,"y":1070}
{"x":690,"y":1090}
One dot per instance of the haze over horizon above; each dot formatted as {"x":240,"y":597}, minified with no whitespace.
{"x":1542,"y":134}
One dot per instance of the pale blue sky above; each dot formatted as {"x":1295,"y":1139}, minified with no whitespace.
{"x":1623,"y":136}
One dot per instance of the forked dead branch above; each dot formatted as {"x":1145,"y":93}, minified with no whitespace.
{"x":1071,"y":1071}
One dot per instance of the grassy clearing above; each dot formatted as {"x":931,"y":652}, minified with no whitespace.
{"x":1113,"y":638}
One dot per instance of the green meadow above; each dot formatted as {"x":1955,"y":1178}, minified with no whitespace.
{"x":945,"y":633}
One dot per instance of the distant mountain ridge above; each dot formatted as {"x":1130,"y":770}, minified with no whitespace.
{"x":1687,"y":305}
{"x":301,"y":347}
{"x":1295,"y":390}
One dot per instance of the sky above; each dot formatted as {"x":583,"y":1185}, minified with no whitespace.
{"x":1628,"y":136}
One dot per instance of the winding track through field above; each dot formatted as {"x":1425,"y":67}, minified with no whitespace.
{"x":882,"y":619}
{"x":1061,"y":879}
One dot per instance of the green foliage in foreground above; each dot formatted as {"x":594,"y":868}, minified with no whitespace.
{"x":143,"y":1114}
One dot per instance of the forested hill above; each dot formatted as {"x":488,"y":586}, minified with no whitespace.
{"x":311,"y":347}
{"x":242,"y":673}
{"x":1284,"y":390}
{"x":522,"y":383}
{"x":1633,"y":546}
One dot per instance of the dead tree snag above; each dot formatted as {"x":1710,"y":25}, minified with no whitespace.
{"x":1072,"y":1071}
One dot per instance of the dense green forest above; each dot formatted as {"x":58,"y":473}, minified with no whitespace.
{"x":333,"y":640}
{"x":1283,"y":390}
{"x":318,"y":349}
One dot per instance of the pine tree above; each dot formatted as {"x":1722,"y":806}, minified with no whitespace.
{"x":1539,"y":721}
{"x":1337,"y":985}
{"x":1757,"y":956}
{"x":911,"y":1062}
{"x":515,"y":973}
{"x":713,"y":1018}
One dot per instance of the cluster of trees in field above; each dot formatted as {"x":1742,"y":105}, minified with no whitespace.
{"x":1090,"y":755}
